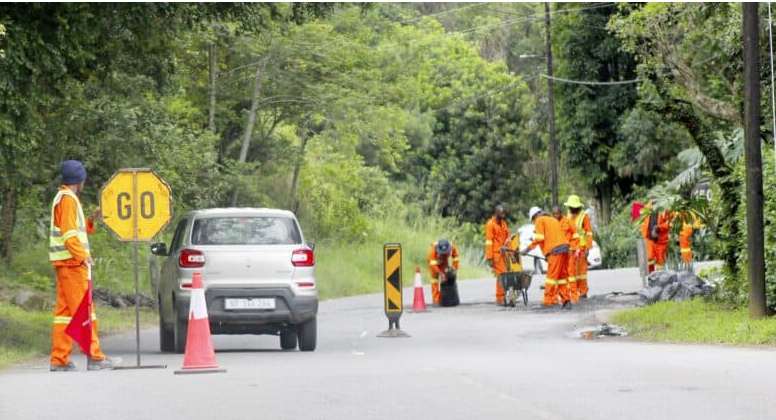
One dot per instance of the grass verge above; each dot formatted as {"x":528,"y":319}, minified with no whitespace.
{"x":27,"y":334}
{"x":697,"y":321}
{"x":352,"y":269}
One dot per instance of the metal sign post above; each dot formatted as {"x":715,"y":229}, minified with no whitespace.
{"x":393,"y":290}
{"x":135,"y":206}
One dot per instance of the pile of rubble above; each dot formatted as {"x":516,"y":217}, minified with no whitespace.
{"x":41,"y":301}
{"x":669,"y":285}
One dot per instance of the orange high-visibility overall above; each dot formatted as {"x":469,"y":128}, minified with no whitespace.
{"x":580,"y":229}
{"x":685,"y":245}
{"x":650,"y":244}
{"x":549,"y":235}
{"x":496,"y":236}
{"x":71,"y":283}
{"x":661,"y":245}
{"x":437,"y":263}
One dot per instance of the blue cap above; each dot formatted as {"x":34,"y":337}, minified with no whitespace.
{"x":73,"y":172}
{"x":443,"y":246}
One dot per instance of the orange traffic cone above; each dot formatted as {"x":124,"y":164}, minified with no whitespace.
{"x":419,"y":303}
{"x":199,"y":356}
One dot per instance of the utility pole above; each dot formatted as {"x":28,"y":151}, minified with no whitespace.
{"x":550,"y":99}
{"x":754,"y":165}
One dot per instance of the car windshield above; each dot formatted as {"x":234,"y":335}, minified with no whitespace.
{"x":253,"y":230}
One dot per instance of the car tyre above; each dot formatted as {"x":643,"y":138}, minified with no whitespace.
{"x":166,"y":337}
{"x":180,"y":331}
{"x":307,"y":333}
{"x":288,"y":339}
{"x":538,"y":266}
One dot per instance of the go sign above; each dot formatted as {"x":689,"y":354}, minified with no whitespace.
{"x":135,"y":204}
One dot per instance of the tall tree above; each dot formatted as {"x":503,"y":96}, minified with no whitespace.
{"x":589,"y":115}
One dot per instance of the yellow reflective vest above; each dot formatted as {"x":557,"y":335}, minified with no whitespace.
{"x":57,"y":249}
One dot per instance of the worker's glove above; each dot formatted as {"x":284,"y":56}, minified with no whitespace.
{"x":525,"y":251}
{"x":489,"y":262}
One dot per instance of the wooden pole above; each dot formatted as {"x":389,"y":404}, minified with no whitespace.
{"x":754,"y":165}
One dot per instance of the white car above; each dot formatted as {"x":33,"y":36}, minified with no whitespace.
{"x":259,"y":276}
{"x":539,"y":265}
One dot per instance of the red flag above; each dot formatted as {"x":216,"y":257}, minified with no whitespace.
{"x":80,"y":326}
{"x":636,"y":211}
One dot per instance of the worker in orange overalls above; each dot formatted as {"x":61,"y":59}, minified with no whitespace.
{"x":656,"y":229}
{"x":565,"y":227}
{"x":549,"y":235}
{"x":496,"y":236}
{"x":581,"y":240}
{"x":664,"y":220}
{"x":442,"y":255}
{"x":70,"y":255}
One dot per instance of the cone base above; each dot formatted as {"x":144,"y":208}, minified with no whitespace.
{"x":187,"y":371}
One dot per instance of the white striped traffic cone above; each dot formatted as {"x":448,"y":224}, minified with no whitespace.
{"x":419,"y":301}
{"x":199,"y":355}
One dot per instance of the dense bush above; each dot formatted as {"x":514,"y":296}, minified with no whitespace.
{"x":736,"y":284}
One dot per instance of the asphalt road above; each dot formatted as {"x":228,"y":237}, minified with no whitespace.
{"x":473,"y":361}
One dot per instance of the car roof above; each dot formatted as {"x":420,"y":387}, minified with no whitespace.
{"x":242,"y":211}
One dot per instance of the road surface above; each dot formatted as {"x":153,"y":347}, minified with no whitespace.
{"x":475,"y":361}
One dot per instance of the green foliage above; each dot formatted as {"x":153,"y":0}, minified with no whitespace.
{"x":617,"y":240}
{"x":736,"y":283}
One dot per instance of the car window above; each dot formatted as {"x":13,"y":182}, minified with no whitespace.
{"x":177,"y":238}
{"x":265,"y":230}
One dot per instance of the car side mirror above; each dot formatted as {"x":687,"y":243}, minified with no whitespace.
{"x":159,"y":249}
{"x":310,"y":245}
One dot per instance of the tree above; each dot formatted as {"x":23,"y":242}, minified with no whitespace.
{"x":690,"y":54}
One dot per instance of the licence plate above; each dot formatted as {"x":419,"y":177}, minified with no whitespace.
{"x":255,"y":303}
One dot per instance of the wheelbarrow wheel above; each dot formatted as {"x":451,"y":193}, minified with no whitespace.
{"x":525,"y":297}
{"x":512,"y":296}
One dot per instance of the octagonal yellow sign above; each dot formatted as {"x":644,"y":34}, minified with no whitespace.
{"x":135,"y":204}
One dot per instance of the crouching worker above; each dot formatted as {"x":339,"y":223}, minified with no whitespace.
{"x":443,"y":265}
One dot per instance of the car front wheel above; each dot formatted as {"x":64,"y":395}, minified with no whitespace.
{"x":166,"y":337}
{"x":288,"y":339}
{"x":180,"y":331}
{"x":307,"y":333}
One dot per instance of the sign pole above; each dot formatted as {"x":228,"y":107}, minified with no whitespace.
{"x":135,"y":240}
{"x":137,"y":281}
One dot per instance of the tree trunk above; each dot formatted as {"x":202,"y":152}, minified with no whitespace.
{"x":257,"y":84}
{"x":294,"y":204}
{"x":211,"y":120}
{"x":605,"y":198}
{"x":7,"y":223}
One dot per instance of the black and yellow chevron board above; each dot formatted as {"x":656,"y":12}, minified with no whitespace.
{"x":392,"y":276}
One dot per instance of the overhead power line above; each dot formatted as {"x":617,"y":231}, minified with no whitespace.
{"x":591,"y":83}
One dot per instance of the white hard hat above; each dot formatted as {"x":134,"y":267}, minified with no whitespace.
{"x":533,"y":212}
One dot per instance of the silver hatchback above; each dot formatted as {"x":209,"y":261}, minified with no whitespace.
{"x":258,"y":273}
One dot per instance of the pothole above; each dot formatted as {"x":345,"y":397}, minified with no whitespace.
{"x":600,"y":331}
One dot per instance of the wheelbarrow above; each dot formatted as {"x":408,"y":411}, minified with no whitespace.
{"x":514,"y":283}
